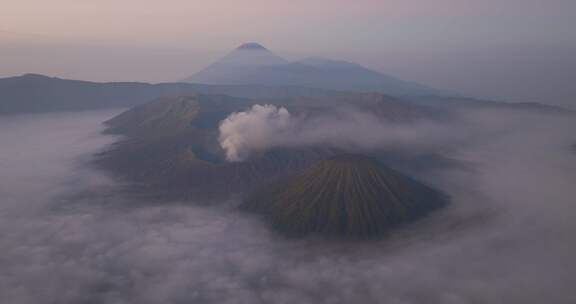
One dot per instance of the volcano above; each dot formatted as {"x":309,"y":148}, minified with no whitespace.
{"x":247,"y":59}
{"x":253,"y":64}
{"x":346,"y":195}
{"x":171,"y":144}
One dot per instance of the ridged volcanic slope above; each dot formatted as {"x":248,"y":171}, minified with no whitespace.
{"x":347,"y":195}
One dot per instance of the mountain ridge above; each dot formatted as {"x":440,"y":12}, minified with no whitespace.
{"x":258,"y":66}
{"x":34,"y":93}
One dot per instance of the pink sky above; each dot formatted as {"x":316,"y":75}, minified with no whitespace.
{"x":217,"y":22}
{"x":454,"y":44}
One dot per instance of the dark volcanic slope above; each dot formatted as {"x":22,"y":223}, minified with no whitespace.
{"x":346,"y":195}
{"x":174,"y":114}
{"x":171,"y":144}
{"x":171,"y":141}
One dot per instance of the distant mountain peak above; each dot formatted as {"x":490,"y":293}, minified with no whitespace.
{"x":252,"y":46}
{"x":253,"y":64}
{"x":249,"y":56}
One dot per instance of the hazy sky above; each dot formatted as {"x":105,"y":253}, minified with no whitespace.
{"x":515,"y":49}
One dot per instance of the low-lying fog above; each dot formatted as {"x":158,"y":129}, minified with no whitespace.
{"x":69,"y":235}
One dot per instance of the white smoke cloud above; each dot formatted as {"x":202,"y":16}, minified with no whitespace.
{"x":258,"y":128}
{"x":263,"y":127}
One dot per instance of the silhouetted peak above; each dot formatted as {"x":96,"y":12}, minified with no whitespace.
{"x":252,"y":46}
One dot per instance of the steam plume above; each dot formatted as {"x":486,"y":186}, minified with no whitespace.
{"x":243,"y":132}
{"x":263,"y":127}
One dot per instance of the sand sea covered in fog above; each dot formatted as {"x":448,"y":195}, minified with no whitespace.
{"x":70,"y":234}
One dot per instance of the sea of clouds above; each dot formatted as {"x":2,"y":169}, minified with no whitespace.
{"x":70,"y":234}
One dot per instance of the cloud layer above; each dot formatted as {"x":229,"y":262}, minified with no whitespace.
{"x":69,"y":236}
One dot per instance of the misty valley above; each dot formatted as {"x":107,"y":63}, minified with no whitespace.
{"x":264,"y":180}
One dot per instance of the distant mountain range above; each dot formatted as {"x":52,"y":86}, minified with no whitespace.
{"x":253,"y":64}
{"x":250,"y":71}
{"x":39,"y":93}
{"x":33,"y":93}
